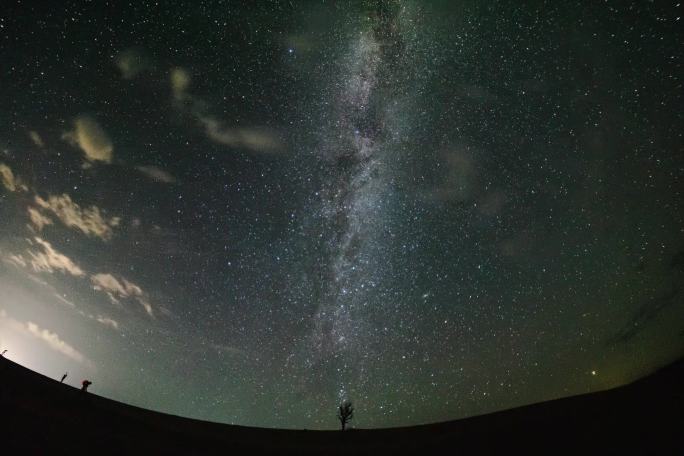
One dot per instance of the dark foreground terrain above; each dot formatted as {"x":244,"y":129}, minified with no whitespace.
{"x":42,"y":416}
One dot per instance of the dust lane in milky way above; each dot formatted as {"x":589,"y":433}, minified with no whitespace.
{"x":353,"y":208}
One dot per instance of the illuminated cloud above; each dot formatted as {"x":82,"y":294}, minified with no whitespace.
{"x":38,"y":220}
{"x":252,"y":138}
{"x":54,"y":341}
{"x":50,"y":260}
{"x":89,"y":136}
{"x":35,"y":137}
{"x":119,"y":289}
{"x":107,"y":322}
{"x":64,"y":301}
{"x":146,"y":305}
{"x":180,"y":81}
{"x":16,"y":260}
{"x":89,"y":220}
{"x":156,"y":174}
{"x":255,"y":139}
{"x":9,"y":180}
{"x":49,"y":338}
{"x":107,"y":282}
{"x":131,"y":63}
{"x":7,"y":177}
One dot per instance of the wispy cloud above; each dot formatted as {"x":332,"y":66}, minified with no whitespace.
{"x":647,"y":311}
{"x":121,"y":288}
{"x":255,"y":139}
{"x":64,"y":300}
{"x":7,"y":177}
{"x":146,"y":305}
{"x":156,"y":174}
{"x":54,"y":341}
{"x":107,"y":322}
{"x":91,"y":138}
{"x":51,"y":339}
{"x":89,"y":220}
{"x":37,"y":219}
{"x":9,"y":180}
{"x":15,"y":260}
{"x":36,"y":139}
{"x":180,"y":81}
{"x":50,"y":260}
{"x":132,"y":62}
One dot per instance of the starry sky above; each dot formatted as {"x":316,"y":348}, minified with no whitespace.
{"x":248,"y":212}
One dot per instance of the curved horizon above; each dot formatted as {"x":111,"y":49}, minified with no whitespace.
{"x":667,"y":371}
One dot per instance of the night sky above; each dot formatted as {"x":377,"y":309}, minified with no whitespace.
{"x":248,"y":212}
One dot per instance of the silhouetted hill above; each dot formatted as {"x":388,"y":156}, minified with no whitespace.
{"x":40,"y":415}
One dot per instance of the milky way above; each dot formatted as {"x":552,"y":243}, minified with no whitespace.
{"x":251,"y":212}
{"x":352,"y":206}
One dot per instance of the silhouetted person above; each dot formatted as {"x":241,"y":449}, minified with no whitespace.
{"x":345,"y":413}
{"x":85,"y":384}
{"x":63,"y":377}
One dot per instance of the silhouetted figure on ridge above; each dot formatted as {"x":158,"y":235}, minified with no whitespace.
{"x":3,"y":353}
{"x":63,"y":377}
{"x":345,"y":413}
{"x":85,"y":384}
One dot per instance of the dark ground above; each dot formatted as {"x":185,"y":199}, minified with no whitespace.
{"x":42,"y":416}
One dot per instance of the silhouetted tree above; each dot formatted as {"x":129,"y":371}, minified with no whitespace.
{"x":345,"y":413}
{"x":63,"y":377}
{"x":3,"y":353}
{"x":85,"y":384}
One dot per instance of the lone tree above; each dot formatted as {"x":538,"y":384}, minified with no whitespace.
{"x":345,"y":413}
